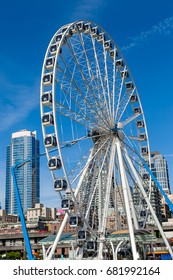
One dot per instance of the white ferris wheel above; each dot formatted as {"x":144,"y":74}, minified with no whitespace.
{"x":95,"y":137}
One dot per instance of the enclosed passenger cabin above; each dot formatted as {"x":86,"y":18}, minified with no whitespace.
{"x":141,"y":224}
{"x":87,"y":28}
{"x":133,"y":98}
{"x":47,"y":79}
{"x":101,"y":38}
{"x":75,"y":221}
{"x":140,"y":124}
{"x":113,"y":54}
{"x":143,"y":137}
{"x":60,"y":185}
{"x":54,"y":163}
{"x":53,"y":49}
{"x":143,"y":213}
{"x":74,"y":29}
{"x":119,"y":63}
{"x":46,"y":98}
{"x":145,"y":176}
{"x":80,"y":27}
{"x":50,"y":62}
{"x":47,"y":119}
{"x":67,"y":204}
{"x":50,"y":141}
{"x":94,"y":32}
{"x":124,"y":74}
{"x":125,"y":253}
{"x":108,"y":45}
{"x":144,"y":150}
{"x":81,"y":235}
{"x":144,"y":201}
{"x":61,"y":39}
{"x":68,"y":33}
{"x":129,"y":87}
{"x":137,"y":110}
{"x":91,"y":246}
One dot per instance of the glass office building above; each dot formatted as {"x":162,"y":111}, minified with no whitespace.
{"x":24,"y":145}
{"x":159,"y":168}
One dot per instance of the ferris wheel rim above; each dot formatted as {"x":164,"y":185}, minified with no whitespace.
{"x":101,"y":126}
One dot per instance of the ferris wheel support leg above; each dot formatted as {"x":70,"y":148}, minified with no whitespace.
{"x":100,"y":206}
{"x":126,"y":200}
{"x":49,"y":257}
{"x":149,"y":205}
{"x":117,"y":248}
{"x":79,"y":255}
{"x":44,"y":251}
{"x":132,"y":206}
{"x":107,"y":198}
{"x":113,"y":251}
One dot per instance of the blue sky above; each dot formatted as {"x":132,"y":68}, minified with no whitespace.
{"x":143,"y":30}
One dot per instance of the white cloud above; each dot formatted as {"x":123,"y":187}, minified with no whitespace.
{"x":168,"y":155}
{"x":163,"y":28}
{"x":17,"y":101}
{"x":87,"y":9}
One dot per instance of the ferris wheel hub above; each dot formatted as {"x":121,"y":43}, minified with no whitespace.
{"x":118,"y":130}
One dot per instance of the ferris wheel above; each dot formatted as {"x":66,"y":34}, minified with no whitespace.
{"x":95,"y":137}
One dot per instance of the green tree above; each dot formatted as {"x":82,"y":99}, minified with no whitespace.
{"x":13,"y":255}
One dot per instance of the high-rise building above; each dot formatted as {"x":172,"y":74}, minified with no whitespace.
{"x":159,"y":169}
{"x":24,"y":145}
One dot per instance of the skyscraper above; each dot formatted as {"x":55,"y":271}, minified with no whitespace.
{"x":24,"y":145}
{"x":159,"y":169}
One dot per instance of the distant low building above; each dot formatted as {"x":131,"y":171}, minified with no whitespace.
{"x":39,"y":212}
{"x":54,"y":226}
{"x":7,"y":218}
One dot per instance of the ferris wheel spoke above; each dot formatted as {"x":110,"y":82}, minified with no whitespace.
{"x":109,"y":85}
{"x":126,"y":104}
{"x":97,"y":99}
{"x":119,"y":96}
{"x":128,"y":143}
{"x":75,"y":116}
{"x":100,"y":79}
{"x":137,"y":138}
{"x":84,"y":158}
{"x":90,"y":102}
{"x":82,"y":164}
{"x":79,"y":116}
{"x":130,"y":119}
{"x":114,"y":71}
{"x":74,"y":93}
